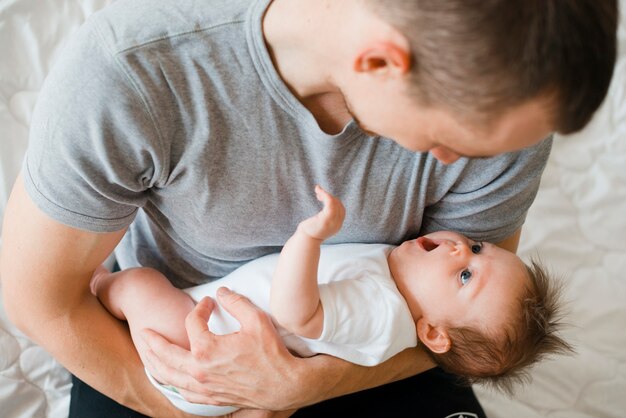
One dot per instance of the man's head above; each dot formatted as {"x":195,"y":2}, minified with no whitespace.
{"x":507,"y":71}
{"x":479,"y":310}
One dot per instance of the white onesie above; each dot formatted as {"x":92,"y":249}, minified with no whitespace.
{"x":366,"y":319}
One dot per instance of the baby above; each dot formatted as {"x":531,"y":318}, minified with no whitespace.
{"x":477,"y":309}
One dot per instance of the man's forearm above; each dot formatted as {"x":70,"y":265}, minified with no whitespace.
{"x":97,"y":349}
{"x":334,"y":377}
{"x":45,"y":268}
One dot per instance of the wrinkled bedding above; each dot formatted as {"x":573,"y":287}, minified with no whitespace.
{"x":577,"y":226}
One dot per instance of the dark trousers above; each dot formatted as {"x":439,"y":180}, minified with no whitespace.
{"x":432,"y":394}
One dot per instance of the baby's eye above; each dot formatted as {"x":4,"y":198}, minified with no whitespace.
{"x":476,"y":248}
{"x":465,"y":277}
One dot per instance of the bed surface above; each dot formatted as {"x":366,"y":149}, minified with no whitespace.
{"x":577,"y":226}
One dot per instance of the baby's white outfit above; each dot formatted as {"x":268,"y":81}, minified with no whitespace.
{"x":366,"y":319}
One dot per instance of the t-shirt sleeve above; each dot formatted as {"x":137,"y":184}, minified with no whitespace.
{"x":94,"y":149}
{"x":491,"y":197}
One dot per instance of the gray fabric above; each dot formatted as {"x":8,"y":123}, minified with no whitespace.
{"x":170,"y":114}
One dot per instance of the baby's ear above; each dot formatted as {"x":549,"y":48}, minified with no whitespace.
{"x":434,"y":337}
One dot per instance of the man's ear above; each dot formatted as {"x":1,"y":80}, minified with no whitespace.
{"x":434,"y":337}
{"x":383,"y":58}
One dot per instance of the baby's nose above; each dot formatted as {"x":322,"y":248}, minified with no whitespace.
{"x":461,"y":248}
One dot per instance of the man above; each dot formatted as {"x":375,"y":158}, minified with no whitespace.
{"x":205,"y":124}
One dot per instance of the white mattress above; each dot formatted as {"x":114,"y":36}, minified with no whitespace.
{"x":577,"y":225}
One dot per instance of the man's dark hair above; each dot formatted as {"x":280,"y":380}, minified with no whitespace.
{"x":479,"y":58}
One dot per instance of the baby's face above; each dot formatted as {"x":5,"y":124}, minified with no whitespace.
{"x":450,"y":280}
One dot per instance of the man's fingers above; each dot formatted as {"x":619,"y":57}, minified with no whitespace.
{"x":197,"y":325}
{"x":158,"y":344}
{"x":176,"y":369}
{"x":240,"y":308}
{"x":172,"y":365}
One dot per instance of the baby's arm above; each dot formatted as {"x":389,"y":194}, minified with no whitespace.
{"x":295,"y":300}
{"x":145,"y":299}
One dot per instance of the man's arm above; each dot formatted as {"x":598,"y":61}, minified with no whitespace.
{"x":45,"y":268}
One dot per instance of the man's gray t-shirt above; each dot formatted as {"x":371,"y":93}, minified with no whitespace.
{"x":169,"y":116}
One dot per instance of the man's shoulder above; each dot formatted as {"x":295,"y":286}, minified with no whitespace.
{"x":130,"y":24}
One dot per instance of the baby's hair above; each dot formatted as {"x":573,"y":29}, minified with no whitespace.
{"x":503,"y":358}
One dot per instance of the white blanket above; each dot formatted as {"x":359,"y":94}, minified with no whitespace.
{"x":577,"y":225}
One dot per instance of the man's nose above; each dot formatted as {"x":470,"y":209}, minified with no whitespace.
{"x":444,"y":155}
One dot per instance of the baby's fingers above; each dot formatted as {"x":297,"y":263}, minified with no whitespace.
{"x":322,"y":195}
{"x":333,"y":211}
{"x":329,"y":201}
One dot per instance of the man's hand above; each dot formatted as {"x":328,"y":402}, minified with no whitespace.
{"x":326,"y":222}
{"x":251,"y":368}
{"x":258,"y":413}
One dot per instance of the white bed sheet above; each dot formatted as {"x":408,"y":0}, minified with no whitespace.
{"x":577,"y":225}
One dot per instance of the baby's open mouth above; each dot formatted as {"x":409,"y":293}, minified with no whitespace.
{"x":426,"y":243}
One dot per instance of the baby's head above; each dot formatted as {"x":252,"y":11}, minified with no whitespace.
{"x":479,"y":310}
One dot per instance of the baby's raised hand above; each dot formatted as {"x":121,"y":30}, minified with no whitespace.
{"x":328,"y":221}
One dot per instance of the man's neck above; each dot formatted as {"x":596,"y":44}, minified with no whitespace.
{"x":303,"y":40}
